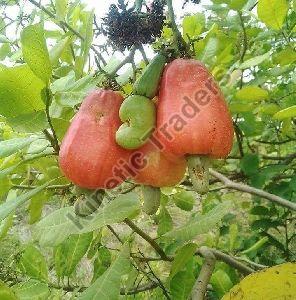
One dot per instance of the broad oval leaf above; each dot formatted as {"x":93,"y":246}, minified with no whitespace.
{"x":32,"y":290}
{"x":33,"y":263}
{"x":20,"y":91}
{"x":202,"y":224}
{"x":272,"y":12}
{"x":107,"y":286}
{"x":252,"y":93}
{"x":6,"y":293}
{"x":57,"y":226}
{"x":9,"y":147}
{"x":221,"y":282}
{"x":254,"y":61}
{"x":286,"y":113}
{"x":9,"y":206}
{"x":35,"y":51}
{"x":184,"y":200}
{"x":183,"y":256}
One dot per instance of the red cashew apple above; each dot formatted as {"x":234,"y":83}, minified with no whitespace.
{"x":89,"y":153}
{"x":159,"y":169}
{"x":193,"y":118}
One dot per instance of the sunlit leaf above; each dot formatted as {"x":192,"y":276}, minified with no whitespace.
{"x":35,"y":51}
{"x":272,"y":12}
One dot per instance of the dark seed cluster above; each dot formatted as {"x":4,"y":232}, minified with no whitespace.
{"x":127,"y":27}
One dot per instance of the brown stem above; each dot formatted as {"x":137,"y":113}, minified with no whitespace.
{"x":253,"y":191}
{"x":207,"y":269}
{"x":147,"y":238}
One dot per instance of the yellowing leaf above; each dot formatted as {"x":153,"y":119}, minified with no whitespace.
{"x":286,"y":113}
{"x":276,"y":283}
{"x":252,"y":93}
{"x":272,"y":12}
{"x":285,"y":57}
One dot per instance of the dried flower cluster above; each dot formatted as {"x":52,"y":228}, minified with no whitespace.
{"x":127,"y":27}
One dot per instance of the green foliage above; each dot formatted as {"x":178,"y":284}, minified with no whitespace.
{"x":44,"y":243}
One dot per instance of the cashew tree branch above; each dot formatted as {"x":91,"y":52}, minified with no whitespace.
{"x":253,"y":191}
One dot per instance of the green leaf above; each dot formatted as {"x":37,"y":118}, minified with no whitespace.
{"x":181,"y":285}
{"x":184,"y":200}
{"x":33,"y":263}
{"x":20,"y":92}
{"x":5,"y":225}
{"x":58,"y":49}
{"x":286,"y":113}
{"x":6,"y":293}
{"x":35,"y":51}
{"x":221,"y":282}
{"x":285,"y":57}
{"x":9,"y":147}
{"x":272,"y":12}
{"x":102,"y":262}
{"x":250,"y":164}
{"x":32,"y":290}
{"x":193,"y":26}
{"x":70,"y":92}
{"x":74,"y":248}
{"x":254,"y":61}
{"x":233,"y":234}
{"x":165,"y":223}
{"x":107,"y":286}
{"x":61,"y":9}
{"x":9,"y":206}
{"x":57,"y":226}
{"x":182,"y":257}
{"x":31,"y":122}
{"x":252,"y":93}
{"x":200,"y":225}
{"x":87,"y":33}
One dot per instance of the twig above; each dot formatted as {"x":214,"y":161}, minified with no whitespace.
{"x":232,"y":261}
{"x":179,"y":39}
{"x":51,"y":187}
{"x":115,"y":233}
{"x":141,"y":49}
{"x":253,"y":191}
{"x":207,"y":269}
{"x":165,"y":292}
{"x":62,"y":24}
{"x":255,"y":265}
{"x":239,"y":139}
{"x":140,"y":289}
{"x":53,"y":139}
{"x":147,"y":238}
{"x":127,"y":60}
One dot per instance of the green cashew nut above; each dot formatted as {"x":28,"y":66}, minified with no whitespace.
{"x":139,"y":116}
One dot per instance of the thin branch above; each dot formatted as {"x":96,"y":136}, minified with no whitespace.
{"x":232,"y":261}
{"x":115,"y":234}
{"x":140,"y":289}
{"x":251,"y":263}
{"x":53,"y":139}
{"x":128,"y":59}
{"x":142,"y":50}
{"x":160,"y":284}
{"x":178,"y":37}
{"x":147,"y":238}
{"x":253,"y":191}
{"x":51,"y":187}
{"x":63,"y":24}
{"x":207,"y":269}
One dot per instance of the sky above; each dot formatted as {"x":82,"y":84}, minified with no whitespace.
{"x":101,"y":8}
